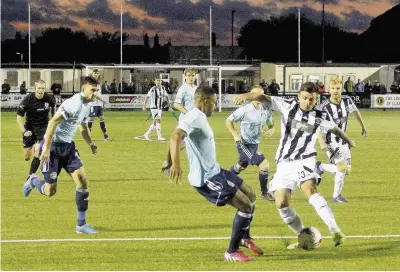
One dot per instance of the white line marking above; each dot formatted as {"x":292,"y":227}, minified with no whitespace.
{"x":179,"y":239}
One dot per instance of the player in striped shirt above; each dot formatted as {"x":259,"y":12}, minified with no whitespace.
{"x":296,"y":154}
{"x":339,"y":108}
{"x":157,"y":95}
{"x":252,"y":117}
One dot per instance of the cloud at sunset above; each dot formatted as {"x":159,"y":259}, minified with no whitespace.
{"x":185,"y":22}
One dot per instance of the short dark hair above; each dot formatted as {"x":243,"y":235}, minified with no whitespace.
{"x":95,"y":70}
{"x":309,"y":87}
{"x":204,"y":91}
{"x":89,"y":80}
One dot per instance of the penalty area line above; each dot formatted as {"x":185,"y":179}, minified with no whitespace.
{"x":178,"y":239}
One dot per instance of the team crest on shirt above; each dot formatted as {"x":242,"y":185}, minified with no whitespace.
{"x":53,"y":175}
{"x":46,"y":105}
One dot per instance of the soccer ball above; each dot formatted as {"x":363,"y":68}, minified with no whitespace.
{"x":310,"y":238}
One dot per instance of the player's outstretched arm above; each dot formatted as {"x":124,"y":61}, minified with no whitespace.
{"x":175,"y":171}
{"x":57,"y":119}
{"x":341,"y":134}
{"x":233,"y":132}
{"x":86,"y":135}
{"x":145,"y":103}
{"x":252,"y":96}
{"x":358,"y":116}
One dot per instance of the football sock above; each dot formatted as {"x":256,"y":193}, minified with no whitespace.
{"x":246,"y":234}
{"x":34,"y":165}
{"x":321,"y":207}
{"x":90,"y":124}
{"x":82,"y":203}
{"x":328,"y":167}
{"x":339,"y":182}
{"x":151,"y":128}
{"x":148,"y":117}
{"x":240,"y":224}
{"x":103,"y":126}
{"x":291,"y":219}
{"x":263,"y":178}
{"x":158,"y":130}
{"x":234,"y":169}
{"x":39,"y":184}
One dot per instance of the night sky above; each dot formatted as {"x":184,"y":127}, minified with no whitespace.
{"x":185,"y":22}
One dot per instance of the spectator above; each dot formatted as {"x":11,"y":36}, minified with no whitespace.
{"x":359,"y":86}
{"x":395,"y":87}
{"x":130,"y":89}
{"x":122,"y":86}
{"x":274,"y":87}
{"x":368,"y":87}
{"x":230,"y":89}
{"x":215,"y":86}
{"x":113,"y":86}
{"x":349,"y":86}
{"x":376,"y":88}
{"x":174,"y":85}
{"x":5,"y":88}
{"x":244,"y":87}
{"x":321,"y":87}
{"x":105,"y":88}
{"x":264,"y":85}
{"x":22,"y":88}
{"x":56,"y":88}
{"x":382,"y":89}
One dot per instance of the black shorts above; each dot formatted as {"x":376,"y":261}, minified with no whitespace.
{"x":96,"y":111}
{"x":36,"y":137}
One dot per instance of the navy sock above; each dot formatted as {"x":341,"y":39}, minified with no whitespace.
{"x":82,"y":203}
{"x":234,"y":170}
{"x":90,"y":124}
{"x":246,"y":234}
{"x":103,"y":126}
{"x":240,"y":224}
{"x":34,"y":165}
{"x":39,"y":184}
{"x":263,"y":178}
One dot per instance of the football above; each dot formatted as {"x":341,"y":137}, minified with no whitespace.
{"x":310,"y":238}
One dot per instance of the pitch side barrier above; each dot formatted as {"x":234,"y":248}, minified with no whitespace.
{"x":135,"y":101}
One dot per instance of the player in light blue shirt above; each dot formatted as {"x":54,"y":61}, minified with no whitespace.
{"x":252,"y":117}
{"x":184,"y":100}
{"x":217,"y":185}
{"x":58,"y":150}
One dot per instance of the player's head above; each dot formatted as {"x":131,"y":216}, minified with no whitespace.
{"x":205,"y":99}
{"x":257,"y":89}
{"x":158,"y":82}
{"x":40,"y":88}
{"x":90,"y":88}
{"x":308,"y":96}
{"x":96,"y":74}
{"x":190,"y":75}
{"x":335,"y":87}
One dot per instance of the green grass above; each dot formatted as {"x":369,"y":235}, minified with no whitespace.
{"x":130,"y":198}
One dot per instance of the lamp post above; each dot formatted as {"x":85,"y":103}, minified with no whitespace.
{"x":22,"y":56}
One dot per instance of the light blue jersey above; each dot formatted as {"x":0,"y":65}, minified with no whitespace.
{"x":74,"y":112}
{"x":185,"y":97}
{"x":200,"y":147}
{"x":252,"y":121}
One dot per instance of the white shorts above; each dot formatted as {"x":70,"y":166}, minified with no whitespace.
{"x":291,"y":174}
{"x":343,"y":154}
{"x":156,"y":114}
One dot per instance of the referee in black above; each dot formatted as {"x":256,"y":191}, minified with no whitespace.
{"x":36,"y":107}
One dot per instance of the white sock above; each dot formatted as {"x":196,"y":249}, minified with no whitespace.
{"x":339,"y":182}
{"x":321,"y":207}
{"x":151,"y":128}
{"x":291,"y":219}
{"x":158,"y":129}
{"x":328,"y":167}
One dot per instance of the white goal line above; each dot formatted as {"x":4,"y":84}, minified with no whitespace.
{"x":178,"y":239}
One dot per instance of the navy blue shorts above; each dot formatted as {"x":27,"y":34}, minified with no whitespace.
{"x":220,"y":188}
{"x":248,"y":154}
{"x":62,"y":155}
{"x":96,"y":111}
{"x":36,"y":137}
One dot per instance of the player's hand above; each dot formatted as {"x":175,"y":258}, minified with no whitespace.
{"x":352,"y":143}
{"x":237,"y":138}
{"x":268,"y":132}
{"x":238,"y":99}
{"x":45,"y":156}
{"x":364,"y":132}
{"x":94,"y":148}
{"x":175,"y":174}
{"x":28,"y":133}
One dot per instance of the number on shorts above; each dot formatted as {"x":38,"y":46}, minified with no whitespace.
{"x":301,"y":174}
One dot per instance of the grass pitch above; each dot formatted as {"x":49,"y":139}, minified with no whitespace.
{"x":141,"y":216}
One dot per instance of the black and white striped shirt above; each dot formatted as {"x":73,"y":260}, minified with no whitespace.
{"x":298,"y":129}
{"x":156,"y":95}
{"x":340,"y":115}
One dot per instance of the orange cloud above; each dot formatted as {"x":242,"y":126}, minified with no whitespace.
{"x":135,"y":12}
